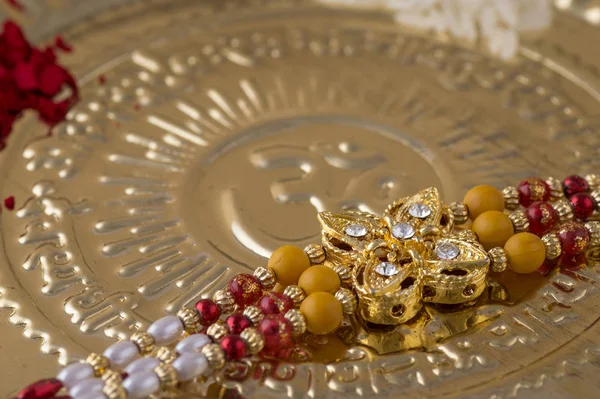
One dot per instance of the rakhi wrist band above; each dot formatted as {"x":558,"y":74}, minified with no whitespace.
{"x":380,"y":270}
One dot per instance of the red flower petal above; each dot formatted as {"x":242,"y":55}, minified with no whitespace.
{"x":4,"y":74}
{"x":15,"y":47}
{"x":13,"y":35}
{"x":25,"y":76}
{"x":9,"y":203}
{"x":50,"y":112}
{"x":52,"y":79}
{"x":30,"y":78}
{"x":44,"y":57}
{"x":60,"y":43}
{"x":14,"y":99}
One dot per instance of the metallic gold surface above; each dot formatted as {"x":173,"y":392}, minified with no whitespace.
{"x":225,"y":126}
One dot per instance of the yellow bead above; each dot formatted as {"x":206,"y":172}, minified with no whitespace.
{"x":483,"y":198}
{"x":526,"y":253}
{"x":493,"y":229}
{"x":319,"y":279}
{"x":323,"y":313}
{"x":288,"y":262}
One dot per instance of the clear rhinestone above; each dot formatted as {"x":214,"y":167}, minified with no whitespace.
{"x":447,"y":251}
{"x":386,"y":269}
{"x":403,"y":231}
{"x":356,"y":230}
{"x":420,"y":211}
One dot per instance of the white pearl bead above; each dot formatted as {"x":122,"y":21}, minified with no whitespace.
{"x":143,"y":364}
{"x":85,"y":386}
{"x":190,"y":365}
{"x":74,"y":373}
{"x":141,"y":385}
{"x":91,"y":395}
{"x":166,"y":330}
{"x":121,"y":354}
{"x":193,"y":343}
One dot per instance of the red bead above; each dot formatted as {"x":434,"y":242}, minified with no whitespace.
{"x":574,"y":238}
{"x":9,"y":203}
{"x":573,"y":263}
{"x":43,"y":389}
{"x":542,"y":217}
{"x":276,"y":330}
{"x":234,"y":347}
{"x":275,"y":303}
{"x":547,"y":267}
{"x":575,"y":184}
{"x":237,"y":323}
{"x":583,"y":205}
{"x":533,"y":189}
{"x":245,"y":289}
{"x":209,"y":311}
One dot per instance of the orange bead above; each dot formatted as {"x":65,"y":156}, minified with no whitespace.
{"x":483,"y":198}
{"x":526,"y":253}
{"x":493,"y":229}
{"x":288,"y":262}
{"x":323,"y":313}
{"x":319,"y":279}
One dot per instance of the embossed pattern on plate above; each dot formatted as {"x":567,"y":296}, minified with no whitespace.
{"x":220,"y":132}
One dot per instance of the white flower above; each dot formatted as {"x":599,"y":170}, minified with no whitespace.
{"x":497,"y":23}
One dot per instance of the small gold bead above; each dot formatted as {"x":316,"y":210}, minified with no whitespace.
{"x":297,"y":320}
{"x":167,"y":376}
{"x":225,"y":300}
{"x":295,"y":293}
{"x":218,"y":330}
{"x":564,"y":210}
{"x":460,"y":212}
{"x":190,"y":318}
{"x":254,"y":340}
{"x":112,"y":376}
{"x":499,"y":259}
{"x":144,"y":342}
{"x":347,"y":299}
{"x":552,"y":245}
{"x":113,"y":389}
{"x":595,"y":194}
{"x":593,"y":181}
{"x":594,"y":229}
{"x":166,"y":355}
{"x":316,"y":253}
{"x":511,"y":198}
{"x":519,"y":221}
{"x":266,"y":278}
{"x":344,"y":273}
{"x":99,"y":363}
{"x":254,"y":314}
{"x":215,"y":356}
{"x":556,"y":188}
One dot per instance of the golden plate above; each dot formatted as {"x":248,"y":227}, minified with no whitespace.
{"x":221,"y":129}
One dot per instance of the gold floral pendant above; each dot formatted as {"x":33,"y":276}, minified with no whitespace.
{"x":405,"y":258}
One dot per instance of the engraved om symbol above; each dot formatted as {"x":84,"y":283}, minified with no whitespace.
{"x":328,"y":176}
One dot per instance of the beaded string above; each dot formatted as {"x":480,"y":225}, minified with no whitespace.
{"x":525,"y":228}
